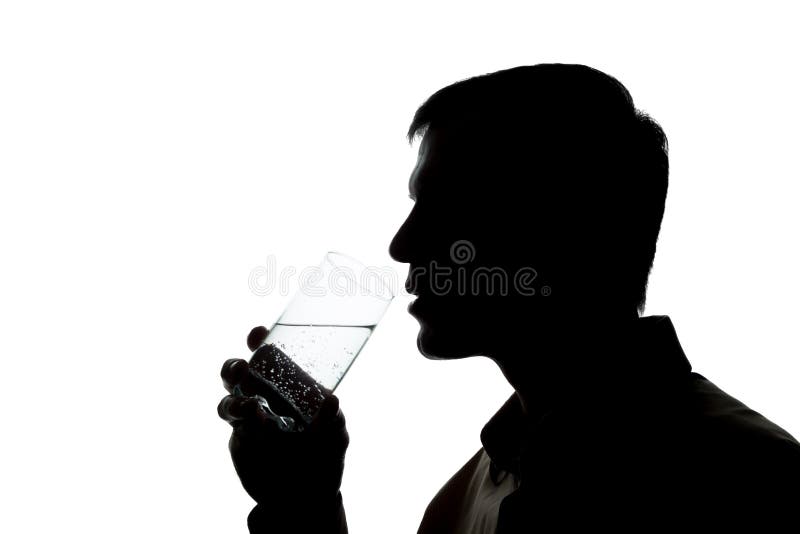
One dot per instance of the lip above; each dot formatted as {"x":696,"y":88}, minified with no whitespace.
{"x":422,"y":304}
{"x":413,"y":307}
{"x":415,"y":285}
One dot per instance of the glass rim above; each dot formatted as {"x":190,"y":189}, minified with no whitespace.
{"x":332,"y":255}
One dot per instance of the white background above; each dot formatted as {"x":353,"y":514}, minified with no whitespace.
{"x":153,"y":153}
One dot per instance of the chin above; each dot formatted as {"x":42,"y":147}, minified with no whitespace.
{"x":448,"y":329}
{"x":435,"y":344}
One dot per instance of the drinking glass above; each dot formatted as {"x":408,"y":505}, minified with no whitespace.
{"x":316,"y":339}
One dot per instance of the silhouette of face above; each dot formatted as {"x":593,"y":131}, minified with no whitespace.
{"x":470,"y":261}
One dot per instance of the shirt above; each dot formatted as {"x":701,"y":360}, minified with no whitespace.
{"x":647,"y":445}
{"x":640,"y":444}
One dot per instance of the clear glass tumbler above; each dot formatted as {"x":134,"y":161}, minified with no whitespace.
{"x":312,"y":345}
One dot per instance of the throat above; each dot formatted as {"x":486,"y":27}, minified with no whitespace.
{"x":565,"y":364}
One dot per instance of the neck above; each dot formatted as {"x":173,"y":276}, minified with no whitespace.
{"x":574,"y":352}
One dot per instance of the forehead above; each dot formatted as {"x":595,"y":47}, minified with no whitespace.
{"x":436,"y":161}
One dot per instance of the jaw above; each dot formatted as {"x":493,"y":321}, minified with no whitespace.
{"x":447,"y":343}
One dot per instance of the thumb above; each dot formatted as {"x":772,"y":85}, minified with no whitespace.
{"x":328,"y":411}
{"x":256,"y":337}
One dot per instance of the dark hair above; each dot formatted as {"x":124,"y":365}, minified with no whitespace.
{"x":579,"y":128}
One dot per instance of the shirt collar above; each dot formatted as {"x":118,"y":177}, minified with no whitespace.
{"x":647,"y":360}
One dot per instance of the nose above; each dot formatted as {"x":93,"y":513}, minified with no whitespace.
{"x":410,"y":241}
{"x":399,"y":248}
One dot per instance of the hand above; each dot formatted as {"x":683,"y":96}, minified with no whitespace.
{"x":281,"y":470}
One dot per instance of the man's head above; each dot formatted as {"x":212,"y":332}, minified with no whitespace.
{"x":539,"y":193}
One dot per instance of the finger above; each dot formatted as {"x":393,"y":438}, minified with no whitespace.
{"x":235,"y":409}
{"x":328,"y":412}
{"x":255,"y":384}
{"x":234,"y":371}
{"x":248,"y":417}
{"x":329,"y":421}
{"x":237,"y":372}
{"x":256,"y":337}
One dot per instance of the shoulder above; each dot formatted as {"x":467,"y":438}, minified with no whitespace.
{"x":448,"y":506}
{"x":728,"y":462}
{"x":738,"y":440}
{"x":452,"y":493}
{"x":725,"y":417}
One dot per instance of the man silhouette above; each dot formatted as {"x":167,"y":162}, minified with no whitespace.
{"x":538,"y":198}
